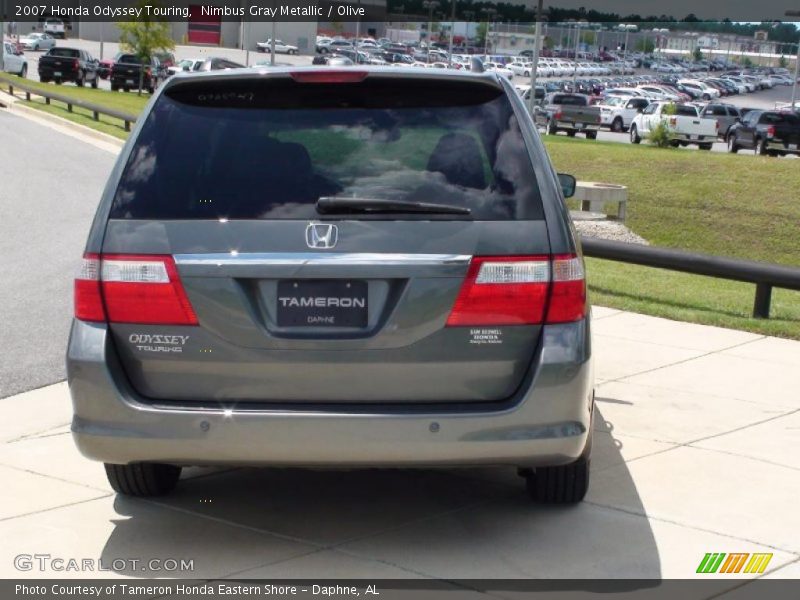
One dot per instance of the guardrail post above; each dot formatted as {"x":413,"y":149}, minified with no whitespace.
{"x":127,"y":125}
{"x":763,"y":300}
{"x":96,"y":116}
{"x":47,"y":100}
{"x":28,"y":96}
{"x":10,"y":89}
{"x":69,"y":107}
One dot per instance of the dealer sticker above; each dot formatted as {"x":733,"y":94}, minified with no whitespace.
{"x":485,"y":336}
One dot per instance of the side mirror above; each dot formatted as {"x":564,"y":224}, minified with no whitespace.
{"x":568,"y":184}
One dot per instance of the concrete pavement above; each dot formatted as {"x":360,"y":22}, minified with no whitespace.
{"x":695,"y":452}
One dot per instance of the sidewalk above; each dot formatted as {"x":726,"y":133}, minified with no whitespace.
{"x":696,"y":451}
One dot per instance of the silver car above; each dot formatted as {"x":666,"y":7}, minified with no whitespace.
{"x":334,"y":268}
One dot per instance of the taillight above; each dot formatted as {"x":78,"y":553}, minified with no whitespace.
{"x":88,"y":299}
{"x":771,"y":131}
{"x":558,"y":115}
{"x":521,"y":290}
{"x":132,"y":289}
{"x":328,"y":76}
{"x":76,"y":65}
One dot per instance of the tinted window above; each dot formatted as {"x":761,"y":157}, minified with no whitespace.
{"x":257,"y":149}
{"x":130,"y":59}
{"x":685,"y":111}
{"x":779,"y":119}
{"x":65,"y":52}
{"x":717,"y":111}
{"x":569,"y":100}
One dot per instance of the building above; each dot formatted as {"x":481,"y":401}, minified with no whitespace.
{"x":228,"y":32}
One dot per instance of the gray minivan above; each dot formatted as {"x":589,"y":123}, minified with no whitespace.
{"x":368,"y":267}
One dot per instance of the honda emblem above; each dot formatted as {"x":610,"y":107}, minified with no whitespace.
{"x":321,"y":235}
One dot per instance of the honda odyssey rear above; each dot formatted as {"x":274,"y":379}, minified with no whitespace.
{"x":350,"y":268}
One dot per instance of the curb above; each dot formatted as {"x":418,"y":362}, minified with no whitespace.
{"x":14,"y":104}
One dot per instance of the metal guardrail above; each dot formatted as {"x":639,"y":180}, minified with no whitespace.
{"x":97,"y":110}
{"x":764,"y":275}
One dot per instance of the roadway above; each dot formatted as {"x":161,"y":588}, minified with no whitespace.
{"x":53,"y":182}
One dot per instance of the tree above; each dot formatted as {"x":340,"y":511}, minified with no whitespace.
{"x":480,"y":32}
{"x":782,"y":62}
{"x":697,"y":54}
{"x":645,"y":45}
{"x":588,"y":38}
{"x":145,"y":37}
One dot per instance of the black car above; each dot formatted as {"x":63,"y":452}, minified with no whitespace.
{"x":768,"y":132}
{"x":129,"y":70}
{"x":69,"y":64}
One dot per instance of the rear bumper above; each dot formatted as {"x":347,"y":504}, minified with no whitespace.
{"x":781,"y":147}
{"x":548,"y":425}
{"x":66,"y":75}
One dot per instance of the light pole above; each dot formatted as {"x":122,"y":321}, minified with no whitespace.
{"x":430,"y":5}
{"x":490,"y":12}
{"x":358,"y":33}
{"x":577,"y":43}
{"x":795,"y":13}
{"x":535,"y":63}
{"x":452,"y":27}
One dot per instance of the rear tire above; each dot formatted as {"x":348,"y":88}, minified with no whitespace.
{"x":761,"y":148}
{"x":733,"y":147}
{"x":24,"y":71}
{"x":95,"y":83}
{"x":635,"y":139}
{"x":143,"y":479}
{"x":566,"y":484}
{"x":617,"y":125}
{"x":79,"y":79}
{"x":114,"y":88}
{"x":551,"y":128}
{"x":591,"y":135}
{"x":571,"y":133}
{"x":705,"y":146}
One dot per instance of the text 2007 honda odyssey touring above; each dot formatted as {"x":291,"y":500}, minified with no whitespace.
{"x":333,"y":268}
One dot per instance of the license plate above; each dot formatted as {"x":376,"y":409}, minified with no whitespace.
{"x":693,"y":137}
{"x":322,"y":303}
{"x":579,"y":125}
{"x":56,"y":73}
{"x":792,"y":146}
{"x":129,"y":82}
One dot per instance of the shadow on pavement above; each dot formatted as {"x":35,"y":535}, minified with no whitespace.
{"x":453,"y":523}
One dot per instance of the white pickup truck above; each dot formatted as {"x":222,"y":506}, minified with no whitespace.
{"x":684,"y":125}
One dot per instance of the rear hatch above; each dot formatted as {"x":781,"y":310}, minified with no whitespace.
{"x":785,"y":128}
{"x":318,"y":237}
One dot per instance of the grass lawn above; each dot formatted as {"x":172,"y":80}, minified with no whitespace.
{"x":740,"y":206}
{"x":125,"y":102}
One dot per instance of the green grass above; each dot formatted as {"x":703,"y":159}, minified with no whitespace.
{"x":125,"y":102}
{"x":729,"y":205}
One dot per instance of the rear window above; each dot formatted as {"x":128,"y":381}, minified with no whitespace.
{"x":569,"y":100}
{"x":780,"y":119}
{"x":130,"y":59}
{"x":65,"y":52}
{"x":685,"y":111}
{"x":270,"y":148}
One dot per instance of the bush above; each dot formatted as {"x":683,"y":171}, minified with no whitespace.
{"x":659,"y":135}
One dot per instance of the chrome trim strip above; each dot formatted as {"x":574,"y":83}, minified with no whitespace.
{"x":320,"y":258}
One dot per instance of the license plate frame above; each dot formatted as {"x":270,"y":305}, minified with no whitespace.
{"x":310,"y":303}
{"x":792,"y":146}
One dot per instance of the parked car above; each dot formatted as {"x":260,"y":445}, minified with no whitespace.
{"x":280,"y":47}
{"x":199,"y":65}
{"x":724,"y":114}
{"x":55,"y":28}
{"x":335,"y":46}
{"x":617,"y":112}
{"x":14,"y":60}
{"x":62,"y":65}
{"x":332,"y":60}
{"x":105,"y":65}
{"x":768,"y":132}
{"x":38,"y":41}
{"x":571,"y":113}
{"x":129,"y":70}
{"x":684,"y":125}
{"x":166,"y":59}
{"x":432,"y":313}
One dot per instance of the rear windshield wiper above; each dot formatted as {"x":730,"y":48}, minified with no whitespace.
{"x":334,"y":204}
